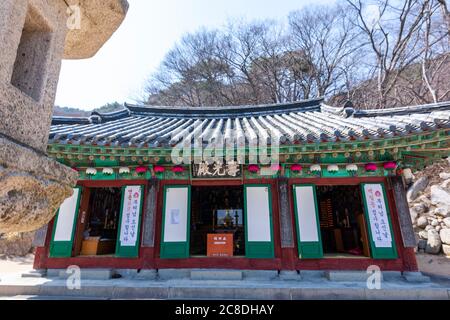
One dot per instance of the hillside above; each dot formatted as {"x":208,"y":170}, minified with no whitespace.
{"x":75,"y":112}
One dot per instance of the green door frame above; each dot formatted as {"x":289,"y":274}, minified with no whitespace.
{"x":256,"y":249}
{"x":176,"y":250}
{"x":63,"y":249}
{"x":308,"y":250}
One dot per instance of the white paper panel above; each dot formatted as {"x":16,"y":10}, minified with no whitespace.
{"x":176,"y":215}
{"x":307,"y":217}
{"x":130,"y":216}
{"x":258,"y":214}
{"x":66,"y":217}
{"x":377,"y":211}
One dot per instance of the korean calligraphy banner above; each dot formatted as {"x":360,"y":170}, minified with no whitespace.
{"x":379,"y":221}
{"x":130,"y":221}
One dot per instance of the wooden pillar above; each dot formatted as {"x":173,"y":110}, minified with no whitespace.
{"x":148,"y":226}
{"x":404,"y":217}
{"x":286,"y":228}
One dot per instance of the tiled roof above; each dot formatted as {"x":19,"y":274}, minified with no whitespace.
{"x":302,"y":122}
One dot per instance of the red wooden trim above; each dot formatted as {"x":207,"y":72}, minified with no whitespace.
{"x":205,"y":183}
{"x":110,"y":183}
{"x":336,"y":181}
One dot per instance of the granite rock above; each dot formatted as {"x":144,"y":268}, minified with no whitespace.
{"x":434,"y":243}
{"x":416,"y":188}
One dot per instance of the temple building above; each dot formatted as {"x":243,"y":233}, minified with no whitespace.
{"x":297,"y":186}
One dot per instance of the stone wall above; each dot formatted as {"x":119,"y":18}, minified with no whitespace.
{"x":429,"y":201}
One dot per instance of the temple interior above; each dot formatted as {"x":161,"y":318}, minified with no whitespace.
{"x":217,"y":210}
{"x":100,"y":234}
{"x":342,"y":221}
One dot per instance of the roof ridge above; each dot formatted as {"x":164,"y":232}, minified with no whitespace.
{"x":406,"y":110}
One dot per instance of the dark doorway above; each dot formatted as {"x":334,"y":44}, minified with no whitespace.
{"x":342,"y":221}
{"x":217,"y":210}
{"x":100,"y":234}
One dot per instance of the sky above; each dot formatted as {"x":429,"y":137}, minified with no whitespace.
{"x":120,"y":69}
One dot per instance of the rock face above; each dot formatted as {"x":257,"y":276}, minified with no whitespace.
{"x":440,"y":197}
{"x":445,"y":236}
{"x":35,"y":36}
{"x":430,"y":211}
{"x":446,"y":249}
{"x":416,"y":188}
{"x":434,"y":243}
{"x":32,"y":187}
{"x":422,"y":222}
{"x":100,"y":19}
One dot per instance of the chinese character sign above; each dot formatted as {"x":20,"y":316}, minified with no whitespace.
{"x":228,"y":170}
{"x":130,"y":216}
{"x":378,"y":216}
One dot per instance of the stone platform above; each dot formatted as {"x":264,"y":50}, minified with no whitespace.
{"x":189,"y":285}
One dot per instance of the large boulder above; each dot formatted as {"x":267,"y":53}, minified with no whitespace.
{"x":99,"y":20}
{"x":441,"y":211}
{"x":445,"y":236}
{"x":423,"y":235}
{"x":422,"y":222}
{"x":446,"y":249}
{"x":32,"y":187}
{"x":447,"y":222}
{"x":444,"y":175}
{"x":440,"y":197}
{"x":417,"y":188}
{"x":434,"y":243}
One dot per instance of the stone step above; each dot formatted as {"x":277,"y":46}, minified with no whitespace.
{"x":126,"y":289}
{"x":85,"y":274}
{"x":35,"y":274}
{"x":417,"y":277}
{"x":216,"y":275}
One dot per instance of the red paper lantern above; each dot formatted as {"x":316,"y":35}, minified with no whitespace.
{"x":177,"y":169}
{"x":159,"y":169}
{"x":371,"y":167}
{"x":141,"y":170}
{"x":390,"y":165}
{"x":253,"y":168}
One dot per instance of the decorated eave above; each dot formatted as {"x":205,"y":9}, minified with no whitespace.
{"x":308,"y":132}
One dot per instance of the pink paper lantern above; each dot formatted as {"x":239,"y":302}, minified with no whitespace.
{"x":296,"y":167}
{"x":158,"y":169}
{"x":253,"y":168}
{"x":390,"y":165}
{"x":141,"y":170}
{"x":371,"y":167}
{"x":177,"y":169}
{"x":275,"y":167}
